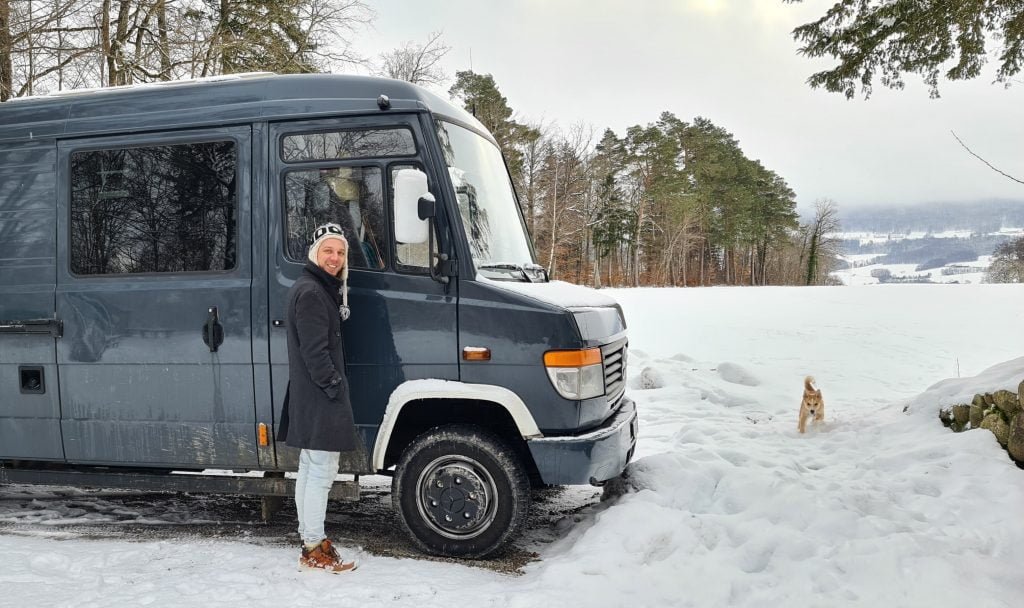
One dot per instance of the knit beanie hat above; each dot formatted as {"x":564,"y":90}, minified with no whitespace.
{"x":321,"y":234}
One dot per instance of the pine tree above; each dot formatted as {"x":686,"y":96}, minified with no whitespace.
{"x":481,"y":98}
{"x":887,"y":39}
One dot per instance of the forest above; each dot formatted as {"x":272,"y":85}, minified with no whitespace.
{"x":672,"y":202}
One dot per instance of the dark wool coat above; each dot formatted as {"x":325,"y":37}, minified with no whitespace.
{"x":317,"y":412}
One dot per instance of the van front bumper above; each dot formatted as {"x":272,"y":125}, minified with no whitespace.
{"x":591,"y":458}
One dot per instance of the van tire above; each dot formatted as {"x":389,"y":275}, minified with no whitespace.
{"x":460,"y":491}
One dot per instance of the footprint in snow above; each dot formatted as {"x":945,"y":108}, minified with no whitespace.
{"x":758,"y":417}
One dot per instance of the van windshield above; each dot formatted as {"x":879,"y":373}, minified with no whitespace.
{"x":497,"y":237}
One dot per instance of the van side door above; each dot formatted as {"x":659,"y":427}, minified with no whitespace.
{"x":153,"y":287}
{"x":403,"y":323}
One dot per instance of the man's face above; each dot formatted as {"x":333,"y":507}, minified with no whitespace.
{"x":331,"y":256}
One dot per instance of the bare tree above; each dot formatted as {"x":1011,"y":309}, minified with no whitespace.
{"x":57,"y":44}
{"x":39,"y":39}
{"x":821,"y":245}
{"x":416,"y":63}
{"x":534,"y":151}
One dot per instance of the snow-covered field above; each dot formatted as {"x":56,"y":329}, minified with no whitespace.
{"x":963,"y":272}
{"x":729,"y":505}
{"x":863,"y":264}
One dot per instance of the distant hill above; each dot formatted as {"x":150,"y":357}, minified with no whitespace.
{"x":980,"y":217}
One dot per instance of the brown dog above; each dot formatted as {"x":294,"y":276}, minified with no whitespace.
{"x":812,"y":406}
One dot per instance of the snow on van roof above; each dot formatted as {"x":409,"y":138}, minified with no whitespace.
{"x":141,"y":85}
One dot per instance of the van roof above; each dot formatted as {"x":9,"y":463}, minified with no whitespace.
{"x":217,"y":101}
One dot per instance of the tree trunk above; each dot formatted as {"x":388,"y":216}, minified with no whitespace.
{"x":162,"y":37}
{"x":6,"y":65}
{"x":554,"y":223}
{"x":812,"y":260}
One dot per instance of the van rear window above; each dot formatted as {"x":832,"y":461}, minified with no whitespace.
{"x":170,"y":208}
{"x":357,"y":143}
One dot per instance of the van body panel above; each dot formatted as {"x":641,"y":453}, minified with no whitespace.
{"x":139,"y":385}
{"x":29,"y":421}
{"x":518,"y":330}
{"x":261,"y":324}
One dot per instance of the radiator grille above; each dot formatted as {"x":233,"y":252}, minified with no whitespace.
{"x":614,"y":359}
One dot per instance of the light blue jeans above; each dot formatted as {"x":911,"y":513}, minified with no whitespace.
{"x":317,"y":470}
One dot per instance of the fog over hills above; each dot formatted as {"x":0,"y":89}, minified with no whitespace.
{"x":937,"y":242}
{"x":986,"y":216}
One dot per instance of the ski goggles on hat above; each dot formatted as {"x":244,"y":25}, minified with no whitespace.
{"x":327,"y":229}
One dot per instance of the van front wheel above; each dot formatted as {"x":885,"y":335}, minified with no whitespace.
{"x":460,"y":491}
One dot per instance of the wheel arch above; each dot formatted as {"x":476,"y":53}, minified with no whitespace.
{"x":418,"y":405}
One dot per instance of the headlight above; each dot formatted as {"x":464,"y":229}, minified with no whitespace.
{"x":576,"y":374}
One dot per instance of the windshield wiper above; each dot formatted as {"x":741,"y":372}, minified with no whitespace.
{"x":531,"y":273}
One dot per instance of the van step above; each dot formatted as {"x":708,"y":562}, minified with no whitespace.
{"x":345,"y":491}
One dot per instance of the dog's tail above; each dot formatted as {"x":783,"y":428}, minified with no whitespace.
{"x":809,"y":384}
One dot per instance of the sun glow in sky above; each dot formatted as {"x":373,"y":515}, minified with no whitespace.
{"x":707,"y":5}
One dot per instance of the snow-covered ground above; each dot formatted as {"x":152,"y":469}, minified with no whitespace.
{"x":862,"y":264}
{"x":729,"y":505}
{"x":961,"y":272}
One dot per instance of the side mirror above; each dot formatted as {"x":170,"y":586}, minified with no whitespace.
{"x":411,"y":192}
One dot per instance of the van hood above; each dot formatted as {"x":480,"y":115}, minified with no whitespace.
{"x":598,"y":316}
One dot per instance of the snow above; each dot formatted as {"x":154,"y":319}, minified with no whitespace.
{"x":725,"y":504}
{"x":961,"y":272}
{"x":555,"y":292}
{"x":972,"y":272}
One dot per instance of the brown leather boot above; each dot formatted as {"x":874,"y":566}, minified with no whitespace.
{"x":324,"y":557}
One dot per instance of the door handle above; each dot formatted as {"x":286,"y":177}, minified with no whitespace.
{"x":213,"y":331}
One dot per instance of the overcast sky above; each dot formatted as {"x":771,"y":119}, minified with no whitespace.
{"x":618,"y":63}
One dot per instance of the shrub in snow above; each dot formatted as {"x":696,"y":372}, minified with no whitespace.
{"x":651,"y":378}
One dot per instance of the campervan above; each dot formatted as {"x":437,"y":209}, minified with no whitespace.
{"x":149,"y":234}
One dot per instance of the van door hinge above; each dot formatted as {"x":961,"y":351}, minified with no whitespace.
{"x":448,"y":268}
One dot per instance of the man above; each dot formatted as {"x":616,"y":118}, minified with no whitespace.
{"x":317,"y":415}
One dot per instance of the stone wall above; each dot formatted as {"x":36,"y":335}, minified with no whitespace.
{"x":999,"y":412}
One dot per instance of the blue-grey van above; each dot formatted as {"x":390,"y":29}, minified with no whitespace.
{"x":149,"y":234}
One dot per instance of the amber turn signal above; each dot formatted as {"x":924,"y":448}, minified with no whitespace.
{"x":572,"y":358}
{"x":263,"y":435}
{"x":476,"y":353}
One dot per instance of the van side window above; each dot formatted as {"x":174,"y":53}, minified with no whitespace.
{"x":348,"y":196}
{"x":335,"y":145}
{"x":409,"y":257}
{"x":170,"y":208}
